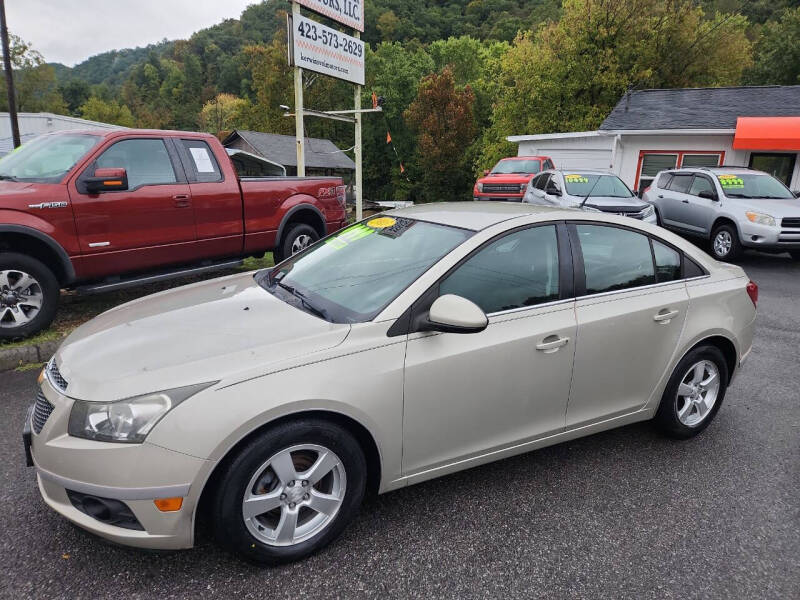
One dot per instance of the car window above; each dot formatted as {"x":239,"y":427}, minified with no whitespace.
{"x":753,"y":186}
{"x":47,"y":158}
{"x":664,"y":180}
{"x":701,"y":184}
{"x":548,"y":164}
{"x":614,"y":258}
{"x":146,"y":162}
{"x":521,"y":166}
{"x":519,"y":269}
{"x":583,"y":184}
{"x":542,"y":181}
{"x":681,"y":183}
{"x":203,"y":165}
{"x":553,"y":184}
{"x":668,"y":262}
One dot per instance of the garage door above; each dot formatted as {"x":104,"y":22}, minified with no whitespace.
{"x":580,"y":159}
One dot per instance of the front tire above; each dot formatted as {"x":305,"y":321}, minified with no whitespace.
{"x":289,"y":492}
{"x":29,"y":295}
{"x":299,"y":237}
{"x":725,"y":244}
{"x":694,"y":393}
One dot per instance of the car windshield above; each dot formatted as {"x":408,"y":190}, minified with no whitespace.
{"x":608,"y":186}
{"x":753,"y":185}
{"x":46,"y":159}
{"x":353,"y":275}
{"x":526,"y":167}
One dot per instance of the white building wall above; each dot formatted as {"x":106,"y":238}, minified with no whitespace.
{"x":32,"y":125}
{"x":593,"y":152}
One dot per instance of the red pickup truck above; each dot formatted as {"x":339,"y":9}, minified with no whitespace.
{"x":100,"y":210}
{"x":509,"y":178}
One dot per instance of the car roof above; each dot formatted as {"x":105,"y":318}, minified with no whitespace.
{"x":524,"y":158}
{"x":584,"y":171}
{"x":477,"y":215}
{"x":722,"y":169}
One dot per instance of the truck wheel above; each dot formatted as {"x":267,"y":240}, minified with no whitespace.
{"x":29,"y":294}
{"x":299,"y":237}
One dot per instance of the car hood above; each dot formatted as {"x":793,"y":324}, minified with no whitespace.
{"x":508,"y":178}
{"x":17,"y":194}
{"x":610,"y":202}
{"x":194,"y":334}
{"x":776,"y":208}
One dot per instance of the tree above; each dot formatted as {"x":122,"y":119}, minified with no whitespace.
{"x":96,"y":109}
{"x":37,"y":90}
{"x":75,"y":93}
{"x":443,"y":118}
{"x":224,"y":113}
{"x":777,"y":52}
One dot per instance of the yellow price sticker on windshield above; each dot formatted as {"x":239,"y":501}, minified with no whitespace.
{"x":381,"y":222}
{"x":733,"y":181}
{"x":576,"y":179}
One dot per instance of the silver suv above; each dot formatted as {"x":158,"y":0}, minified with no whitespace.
{"x":733,"y":207}
{"x":595,"y":191}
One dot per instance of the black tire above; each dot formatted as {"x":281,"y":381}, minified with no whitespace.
{"x":46,"y":285}
{"x":735,"y":245}
{"x":795,"y":254}
{"x":667,"y":419}
{"x":293,"y":235}
{"x":228,"y":519}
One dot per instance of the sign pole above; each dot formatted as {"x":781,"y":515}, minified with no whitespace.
{"x":298,"y":108}
{"x":359,"y":171}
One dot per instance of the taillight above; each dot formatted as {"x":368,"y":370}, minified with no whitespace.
{"x":752,"y":291}
{"x":341,"y":195}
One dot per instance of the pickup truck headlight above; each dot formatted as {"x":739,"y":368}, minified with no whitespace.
{"x":480,"y":187}
{"x":126,"y":421}
{"x":760,"y":218}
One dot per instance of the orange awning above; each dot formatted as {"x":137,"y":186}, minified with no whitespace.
{"x":767,"y":133}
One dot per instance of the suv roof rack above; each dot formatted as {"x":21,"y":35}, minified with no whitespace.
{"x":719,"y":167}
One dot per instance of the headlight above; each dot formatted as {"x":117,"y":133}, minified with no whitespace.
{"x":649,"y":211}
{"x":127,"y":421}
{"x":760,"y":218}
{"x":480,"y":187}
{"x":523,"y":187}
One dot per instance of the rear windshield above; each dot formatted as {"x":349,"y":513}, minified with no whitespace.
{"x":521,"y":167}
{"x":46,"y":159}
{"x":608,"y":186}
{"x":353,"y":275}
{"x":754,"y":186}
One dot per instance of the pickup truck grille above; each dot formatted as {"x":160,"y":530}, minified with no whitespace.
{"x":41,"y":412}
{"x":501,"y":188}
{"x":55,"y":376}
{"x":791,"y":222}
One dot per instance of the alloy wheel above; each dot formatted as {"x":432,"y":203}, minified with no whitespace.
{"x":697,"y":393}
{"x":722,"y":243}
{"x":21,"y":298}
{"x":295,"y":495}
{"x":301,"y":242}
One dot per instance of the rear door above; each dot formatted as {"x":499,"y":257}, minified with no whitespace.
{"x":140,"y":223}
{"x":630,"y":315}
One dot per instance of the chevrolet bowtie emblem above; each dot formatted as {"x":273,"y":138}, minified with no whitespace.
{"x":49,"y":205}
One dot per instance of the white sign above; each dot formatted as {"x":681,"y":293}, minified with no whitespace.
{"x":202,"y":160}
{"x":347,"y":12}
{"x":322,"y":49}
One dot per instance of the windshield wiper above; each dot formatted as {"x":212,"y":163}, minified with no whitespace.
{"x":305,"y":302}
{"x":8,"y":177}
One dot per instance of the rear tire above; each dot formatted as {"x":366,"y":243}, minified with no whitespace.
{"x":725,"y":244}
{"x":29,"y":296}
{"x":694,"y":393}
{"x":298,"y":237}
{"x":293,"y":515}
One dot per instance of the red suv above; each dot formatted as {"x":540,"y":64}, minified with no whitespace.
{"x":509,"y":178}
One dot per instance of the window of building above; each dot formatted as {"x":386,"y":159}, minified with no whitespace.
{"x":780,"y":166}
{"x":651,"y":162}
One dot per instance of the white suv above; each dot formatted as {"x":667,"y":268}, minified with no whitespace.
{"x":733,"y":207}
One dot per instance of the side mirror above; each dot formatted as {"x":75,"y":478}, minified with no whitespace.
{"x":485,"y":172}
{"x":454,"y":314}
{"x":708,"y":195}
{"x":553,"y":190}
{"x":109,"y":179}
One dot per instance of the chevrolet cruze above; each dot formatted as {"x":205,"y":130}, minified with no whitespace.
{"x":408,"y":346}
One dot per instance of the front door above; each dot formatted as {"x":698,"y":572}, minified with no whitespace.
{"x":629,"y":322}
{"x":150,"y":223}
{"x":469,"y":394}
{"x":675,"y":197}
{"x":698,"y":213}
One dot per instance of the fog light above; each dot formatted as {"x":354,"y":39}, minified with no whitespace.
{"x":168,"y":504}
{"x":105,"y":510}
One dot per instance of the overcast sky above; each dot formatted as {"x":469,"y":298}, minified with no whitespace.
{"x":70,"y":31}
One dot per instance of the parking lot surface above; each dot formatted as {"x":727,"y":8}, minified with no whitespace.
{"x":622,"y":514}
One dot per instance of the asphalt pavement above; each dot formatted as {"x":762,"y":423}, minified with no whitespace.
{"x":622,"y":514}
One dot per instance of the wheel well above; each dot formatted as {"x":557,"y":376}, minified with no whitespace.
{"x":726,"y":347}
{"x":35,"y":248}
{"x":307,"y":217}
{"x":356,"y":429}
{"x":723,"y":221}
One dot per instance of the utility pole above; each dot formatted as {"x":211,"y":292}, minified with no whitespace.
{"x":298,"y":107}
{"x":359,"y":170}
{"x":12,"y":96}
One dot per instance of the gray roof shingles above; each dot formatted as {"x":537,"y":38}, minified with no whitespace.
{"x":701,"y":108}
{"x":320,"y":154}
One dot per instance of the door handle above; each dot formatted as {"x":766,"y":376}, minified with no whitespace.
{"x":182,"y":200}
{"x":685,"y":201}
{"x":661,"y":196}
{"x":665,"y":316}
{"x":551,"y":344}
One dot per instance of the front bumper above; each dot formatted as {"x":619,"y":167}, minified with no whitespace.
{"x":497,"y":197}
{"x":133,"y":474}
{"x":767,"y":237}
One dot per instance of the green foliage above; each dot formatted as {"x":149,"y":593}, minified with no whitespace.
{"x":107,"y":111}
{"x":37,"y":90}
{"x":777,"y":52}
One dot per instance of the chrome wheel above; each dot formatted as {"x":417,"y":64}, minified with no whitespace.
{"x":294,"y":495}
{"x":301,"y":242}
{"x":21,"y":298}
{"x":722,"y":243}
{"x":697,"y":393}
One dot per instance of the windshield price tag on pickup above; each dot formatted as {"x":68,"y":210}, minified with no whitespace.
{"x":731,"y":181}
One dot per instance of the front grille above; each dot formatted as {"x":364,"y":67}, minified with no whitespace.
{"x":41,"y":412}
{"x":791,"y":222}
{"x":501,"y":188}
{"x":55,"y":376}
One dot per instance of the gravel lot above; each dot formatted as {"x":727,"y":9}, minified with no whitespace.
{"x":623,"y":514}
